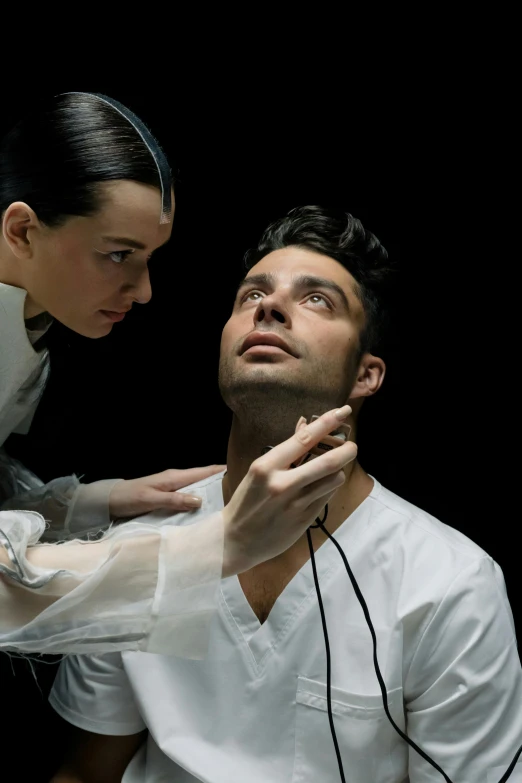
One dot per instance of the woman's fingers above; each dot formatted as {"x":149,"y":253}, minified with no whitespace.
{"x":175,"y":502}
{"x":171,"y":480}
{"x":304,"y":439}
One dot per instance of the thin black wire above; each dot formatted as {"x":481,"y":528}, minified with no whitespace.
{"x":327,"y":644}
{"x":375,"y":661}
{"x":511,"y":767}
{"x":319,"y":523}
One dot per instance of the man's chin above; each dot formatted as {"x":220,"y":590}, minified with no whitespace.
{"x":265,"y":384}
{"x":261,"y":385}
{"x":279,"y":359}
{"x":264,"y":372}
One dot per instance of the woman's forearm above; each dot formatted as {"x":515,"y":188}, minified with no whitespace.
{"x":143,"y":586}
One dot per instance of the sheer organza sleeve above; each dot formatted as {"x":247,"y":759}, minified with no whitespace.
{"x":139,"y":587}
{"x":71,"y":509}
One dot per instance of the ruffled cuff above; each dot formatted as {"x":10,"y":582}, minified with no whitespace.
{"x":88,"y":510}
{"x":70,"y":509}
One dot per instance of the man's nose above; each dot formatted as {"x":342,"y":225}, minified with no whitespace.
{"x":271,"y":308}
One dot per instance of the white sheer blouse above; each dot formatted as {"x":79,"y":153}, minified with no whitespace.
{"x":136,"y":587}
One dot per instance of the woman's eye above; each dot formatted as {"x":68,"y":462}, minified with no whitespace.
{"x":119,"y":256}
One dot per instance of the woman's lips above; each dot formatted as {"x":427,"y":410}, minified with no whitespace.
{"x":113,"y":315}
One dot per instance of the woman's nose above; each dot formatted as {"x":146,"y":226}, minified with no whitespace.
{"x":143,"y":289}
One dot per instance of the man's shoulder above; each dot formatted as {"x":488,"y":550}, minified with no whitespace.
{"x":418,"y":528}
{"x":209,"y":490}
{"x":430,"y":558}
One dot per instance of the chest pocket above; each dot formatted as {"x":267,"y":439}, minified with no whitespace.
{"x":371,"y":750}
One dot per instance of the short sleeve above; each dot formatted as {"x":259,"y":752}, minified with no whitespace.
{"x":93,"y":693}
{"x":463,"y":690}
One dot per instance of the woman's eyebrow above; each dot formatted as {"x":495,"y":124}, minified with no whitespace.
{"x":129,"y":242}
{"x":125,"y":241}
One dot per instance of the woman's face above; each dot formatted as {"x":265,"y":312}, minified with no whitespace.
{"x":89,"y":272}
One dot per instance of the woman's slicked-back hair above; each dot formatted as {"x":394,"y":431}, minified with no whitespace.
{"x":55,"y":158}
{"x":339,"y":235}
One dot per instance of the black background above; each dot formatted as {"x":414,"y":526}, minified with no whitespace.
{"x":423,"y":173}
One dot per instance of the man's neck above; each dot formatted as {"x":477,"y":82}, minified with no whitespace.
{"x":263,"y":584}
{"x":247,"y":443}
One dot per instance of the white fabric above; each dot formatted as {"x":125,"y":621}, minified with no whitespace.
{"x":137,"y":588}
{"x":22,"y":369}
{"x":255,"y":709}
{"x":70,"y":508}
{"x":140,"y":587}
{"x":88,"y":510}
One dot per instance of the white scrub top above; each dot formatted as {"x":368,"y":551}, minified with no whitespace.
{"x":137,"y":588}
{"x":255,"y":710}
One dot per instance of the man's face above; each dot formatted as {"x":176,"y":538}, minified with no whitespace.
{"x":293,"y":336}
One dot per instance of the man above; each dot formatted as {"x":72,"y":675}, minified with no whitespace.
{"x":301,"y":340}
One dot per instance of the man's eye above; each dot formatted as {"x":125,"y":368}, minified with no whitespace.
{"x":319,"y":299}
{"x":252,"y":296}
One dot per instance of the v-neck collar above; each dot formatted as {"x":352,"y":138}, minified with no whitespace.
{"x":261,"y":639}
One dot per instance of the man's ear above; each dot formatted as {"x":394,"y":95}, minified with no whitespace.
{"x":18,"y":225}
{"x":370,"y":375}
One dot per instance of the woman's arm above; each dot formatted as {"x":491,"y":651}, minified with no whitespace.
{"x":140,"y":587}
{"x":154,"y":588}
{"x":74,"y":510}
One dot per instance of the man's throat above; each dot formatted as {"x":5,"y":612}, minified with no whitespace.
{"x":245,"y":445}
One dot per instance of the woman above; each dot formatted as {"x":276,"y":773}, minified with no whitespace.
{"x":85,"y":198}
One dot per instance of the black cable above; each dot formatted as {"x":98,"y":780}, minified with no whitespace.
{"x":328,"y":657}
{"x":375,"y":661}
{"x":511,"y":767}
{"x":319,"y":523}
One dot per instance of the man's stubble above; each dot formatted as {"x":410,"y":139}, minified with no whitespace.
{"x":267,"y":398}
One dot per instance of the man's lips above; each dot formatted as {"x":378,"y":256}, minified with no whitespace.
{"x":265,"y":338}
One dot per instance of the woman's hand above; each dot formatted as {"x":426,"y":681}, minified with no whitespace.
{"x":275,"y":503}
{"x":150,"y":493}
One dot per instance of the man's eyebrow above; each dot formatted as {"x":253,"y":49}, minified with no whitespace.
{"x":262,"y":278}
{"x":129,"y":242}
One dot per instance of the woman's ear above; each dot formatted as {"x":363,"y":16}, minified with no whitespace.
{"x":370,"y":376}
{"x":17,"y":224}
